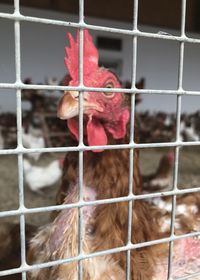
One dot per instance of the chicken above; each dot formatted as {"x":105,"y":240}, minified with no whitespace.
{"x":35,"y":131}
{"x":33,"y":141}
{"x":188,"y":132}
{"x":187,"y":206}
{"x":162,"y":178}
{"x":38,"y":177}
{"x":186,"y":255}
{"x":106,"y":175}
{"x":10,"y":255}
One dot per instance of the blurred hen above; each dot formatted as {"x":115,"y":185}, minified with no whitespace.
{"x":38,"y":177}
{"x":161,"y":179}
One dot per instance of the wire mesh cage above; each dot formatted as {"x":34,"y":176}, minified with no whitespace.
{"x":20,"y":150}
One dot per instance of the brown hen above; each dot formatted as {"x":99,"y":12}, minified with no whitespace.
{"x":105,"y":175}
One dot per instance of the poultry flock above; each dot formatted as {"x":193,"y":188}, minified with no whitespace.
{"x":106,"y":175}
{"x":161,"y":126}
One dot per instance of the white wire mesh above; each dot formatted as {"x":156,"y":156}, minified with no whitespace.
{"x":20,"y":150}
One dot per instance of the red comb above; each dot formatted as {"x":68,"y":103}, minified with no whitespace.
{"x":90,"y":56}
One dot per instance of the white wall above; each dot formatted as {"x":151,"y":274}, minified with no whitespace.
{"x":42,"y":52}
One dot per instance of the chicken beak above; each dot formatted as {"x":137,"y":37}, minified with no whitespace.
{"x":68,"y":106}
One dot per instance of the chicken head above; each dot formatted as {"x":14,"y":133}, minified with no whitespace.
{"x":105,"y":113}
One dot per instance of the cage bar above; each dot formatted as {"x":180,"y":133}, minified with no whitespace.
{"x":19,"y":136}
{"x":131,"y":152}
{"x":81,"y":73}
{"x":178,"y":120}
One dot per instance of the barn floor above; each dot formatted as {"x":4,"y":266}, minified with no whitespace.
{"x":189,"y":176}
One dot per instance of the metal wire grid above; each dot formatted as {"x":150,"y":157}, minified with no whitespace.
{"x":17,"y":17}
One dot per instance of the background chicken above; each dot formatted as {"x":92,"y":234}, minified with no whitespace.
{"x":161,"y":179}
{"x":38,"y":177}
{"x":188,"y":131}
{"x":33,"y":140}
{"x":187,"y":213}
{"x":106,"y":175}
{"x":186,"y":253}
{"x":10,"y":248}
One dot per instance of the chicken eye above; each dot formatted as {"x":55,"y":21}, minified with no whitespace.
{"x":109,"y":94}
{"x":109,"y":85}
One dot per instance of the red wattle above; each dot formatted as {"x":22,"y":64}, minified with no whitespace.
{"x":96,"y":134}
{"x":73,"y":127}
{"x":118,"y":130}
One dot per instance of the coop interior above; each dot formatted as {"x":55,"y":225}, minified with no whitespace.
{"x":159,"y":66}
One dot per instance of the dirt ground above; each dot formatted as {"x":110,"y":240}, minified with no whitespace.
{"x":189,"y":176}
